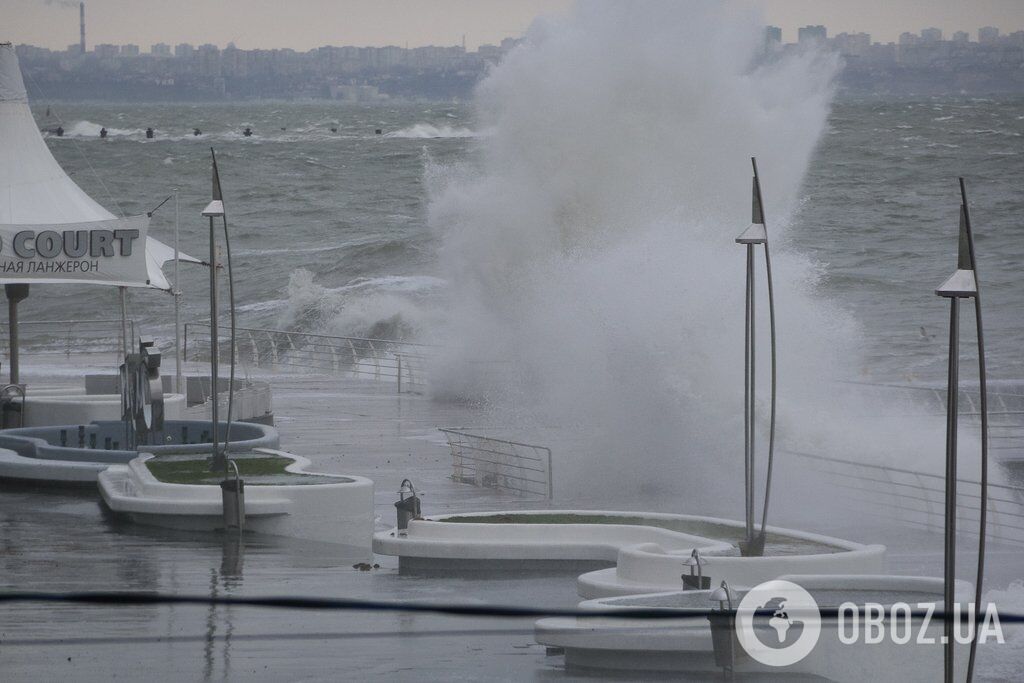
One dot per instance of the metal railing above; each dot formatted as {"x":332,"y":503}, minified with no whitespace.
{"x":67,"y":337}
{"x":1005,"y":411}
{"x":521,"y":468}
{"x":382,"y":359}
{"x":917,"y":498}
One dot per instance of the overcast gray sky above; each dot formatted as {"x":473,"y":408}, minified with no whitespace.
{"x":303,"y":24}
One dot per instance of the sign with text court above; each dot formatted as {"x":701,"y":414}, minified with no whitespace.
{"x":110,"y":252}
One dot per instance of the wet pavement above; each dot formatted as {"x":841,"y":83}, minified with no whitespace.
{"x":64,"y":540}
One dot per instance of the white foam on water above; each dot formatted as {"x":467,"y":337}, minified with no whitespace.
{"x":88,"y":129}
{"x":427,"y":130}
{"x":389,"y":307}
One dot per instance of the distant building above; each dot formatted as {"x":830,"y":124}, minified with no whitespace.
{"x":772,"y":37}
{"x":961,"y":37}
{"x":490,"y":53}
{"x":907,"y":38}
{"x":988,"y":34}
{"x":160,"y":50}
{"x":812,"y":34}
{"x":129,"y":51}
{"x":931,"y":35}
{"x":853,"y":44}
{"x":183,"y":50}
{"x":356,"y":93}
{"x":106,"y":51}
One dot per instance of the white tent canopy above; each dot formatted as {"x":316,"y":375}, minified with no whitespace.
{"x":34,"y":189}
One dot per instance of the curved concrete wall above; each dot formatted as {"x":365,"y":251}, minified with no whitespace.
{"x":37,"y":453}
{"x":339,"y":513}
{"x":650,"y":568}
{"x":44,"y":409}
{"x":486,"y":541}
{"x":685,"y":644}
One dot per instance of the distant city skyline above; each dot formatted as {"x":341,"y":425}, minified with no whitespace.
{"x":306,"y":24}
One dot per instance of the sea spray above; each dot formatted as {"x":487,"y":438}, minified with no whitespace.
{"x":589,"y":246}
{"x":390,"y":307}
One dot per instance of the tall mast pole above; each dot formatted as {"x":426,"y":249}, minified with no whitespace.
{"x":215,"y":209}
{"x":962,"y":284}
{"x":756,"y":234}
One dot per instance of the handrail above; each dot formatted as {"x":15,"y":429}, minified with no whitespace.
{"x":498,"y":470}
{"x":382,"y":359}
{"x":314,"y":334}
{"x":1005,"y":501}
{"x":65,"y":330}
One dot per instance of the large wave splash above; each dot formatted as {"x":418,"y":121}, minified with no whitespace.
{"x":390,"y":307}
{"x":590,"y":246}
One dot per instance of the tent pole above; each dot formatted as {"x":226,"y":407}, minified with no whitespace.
{"x":124,"y":321}
{"x":177,"y":304}
{"x":15,"y":293}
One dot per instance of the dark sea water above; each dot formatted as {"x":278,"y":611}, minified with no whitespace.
{"x":329,"y":229}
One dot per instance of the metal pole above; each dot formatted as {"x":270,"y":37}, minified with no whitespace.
{"x":774,"y":355}
{"x":214,"y":345}
{"x":952,"y":394}
{"x":177,"y":305}
{"x":751,"y":391}
{"x":124,"y":320}
{"x":12,"y":322}
{"x":15,"y":293}
{"x":983,"y":389}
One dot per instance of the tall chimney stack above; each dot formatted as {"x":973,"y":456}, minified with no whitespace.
{"x":81,"y":21}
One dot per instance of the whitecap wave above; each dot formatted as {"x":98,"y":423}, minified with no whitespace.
{"x":88,"y":129}
{"x":427,"y":130}
{"x":387,"y":307}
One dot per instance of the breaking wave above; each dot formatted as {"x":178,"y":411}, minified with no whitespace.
{"x":390,"y":307}
{"x":88,"y":129}
{"x":427,"y":130}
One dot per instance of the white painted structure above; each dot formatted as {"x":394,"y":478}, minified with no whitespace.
{"x":649,"y":558}
{"x":43,"y":409}
{"x":651,"y":568}
{"x":35,"y":190}
{"x":686,"y":644}
{"x":432,"y":538}
{"x":340,"y":513}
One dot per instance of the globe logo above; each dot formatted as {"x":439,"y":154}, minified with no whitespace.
{"x":778,"y":623}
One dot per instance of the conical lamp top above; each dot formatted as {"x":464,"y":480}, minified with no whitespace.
{"x":963,"y":282}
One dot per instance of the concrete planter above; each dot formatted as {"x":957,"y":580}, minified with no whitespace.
{"x":649,"y":548}
{"x":51,"y":454}
{"x":686,"y":644}
{"x":338,"y":511}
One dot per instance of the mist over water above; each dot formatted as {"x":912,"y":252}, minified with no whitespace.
{"x":589,"y":245}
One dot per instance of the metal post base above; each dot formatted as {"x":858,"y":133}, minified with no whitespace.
{"x":752,"y":547}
